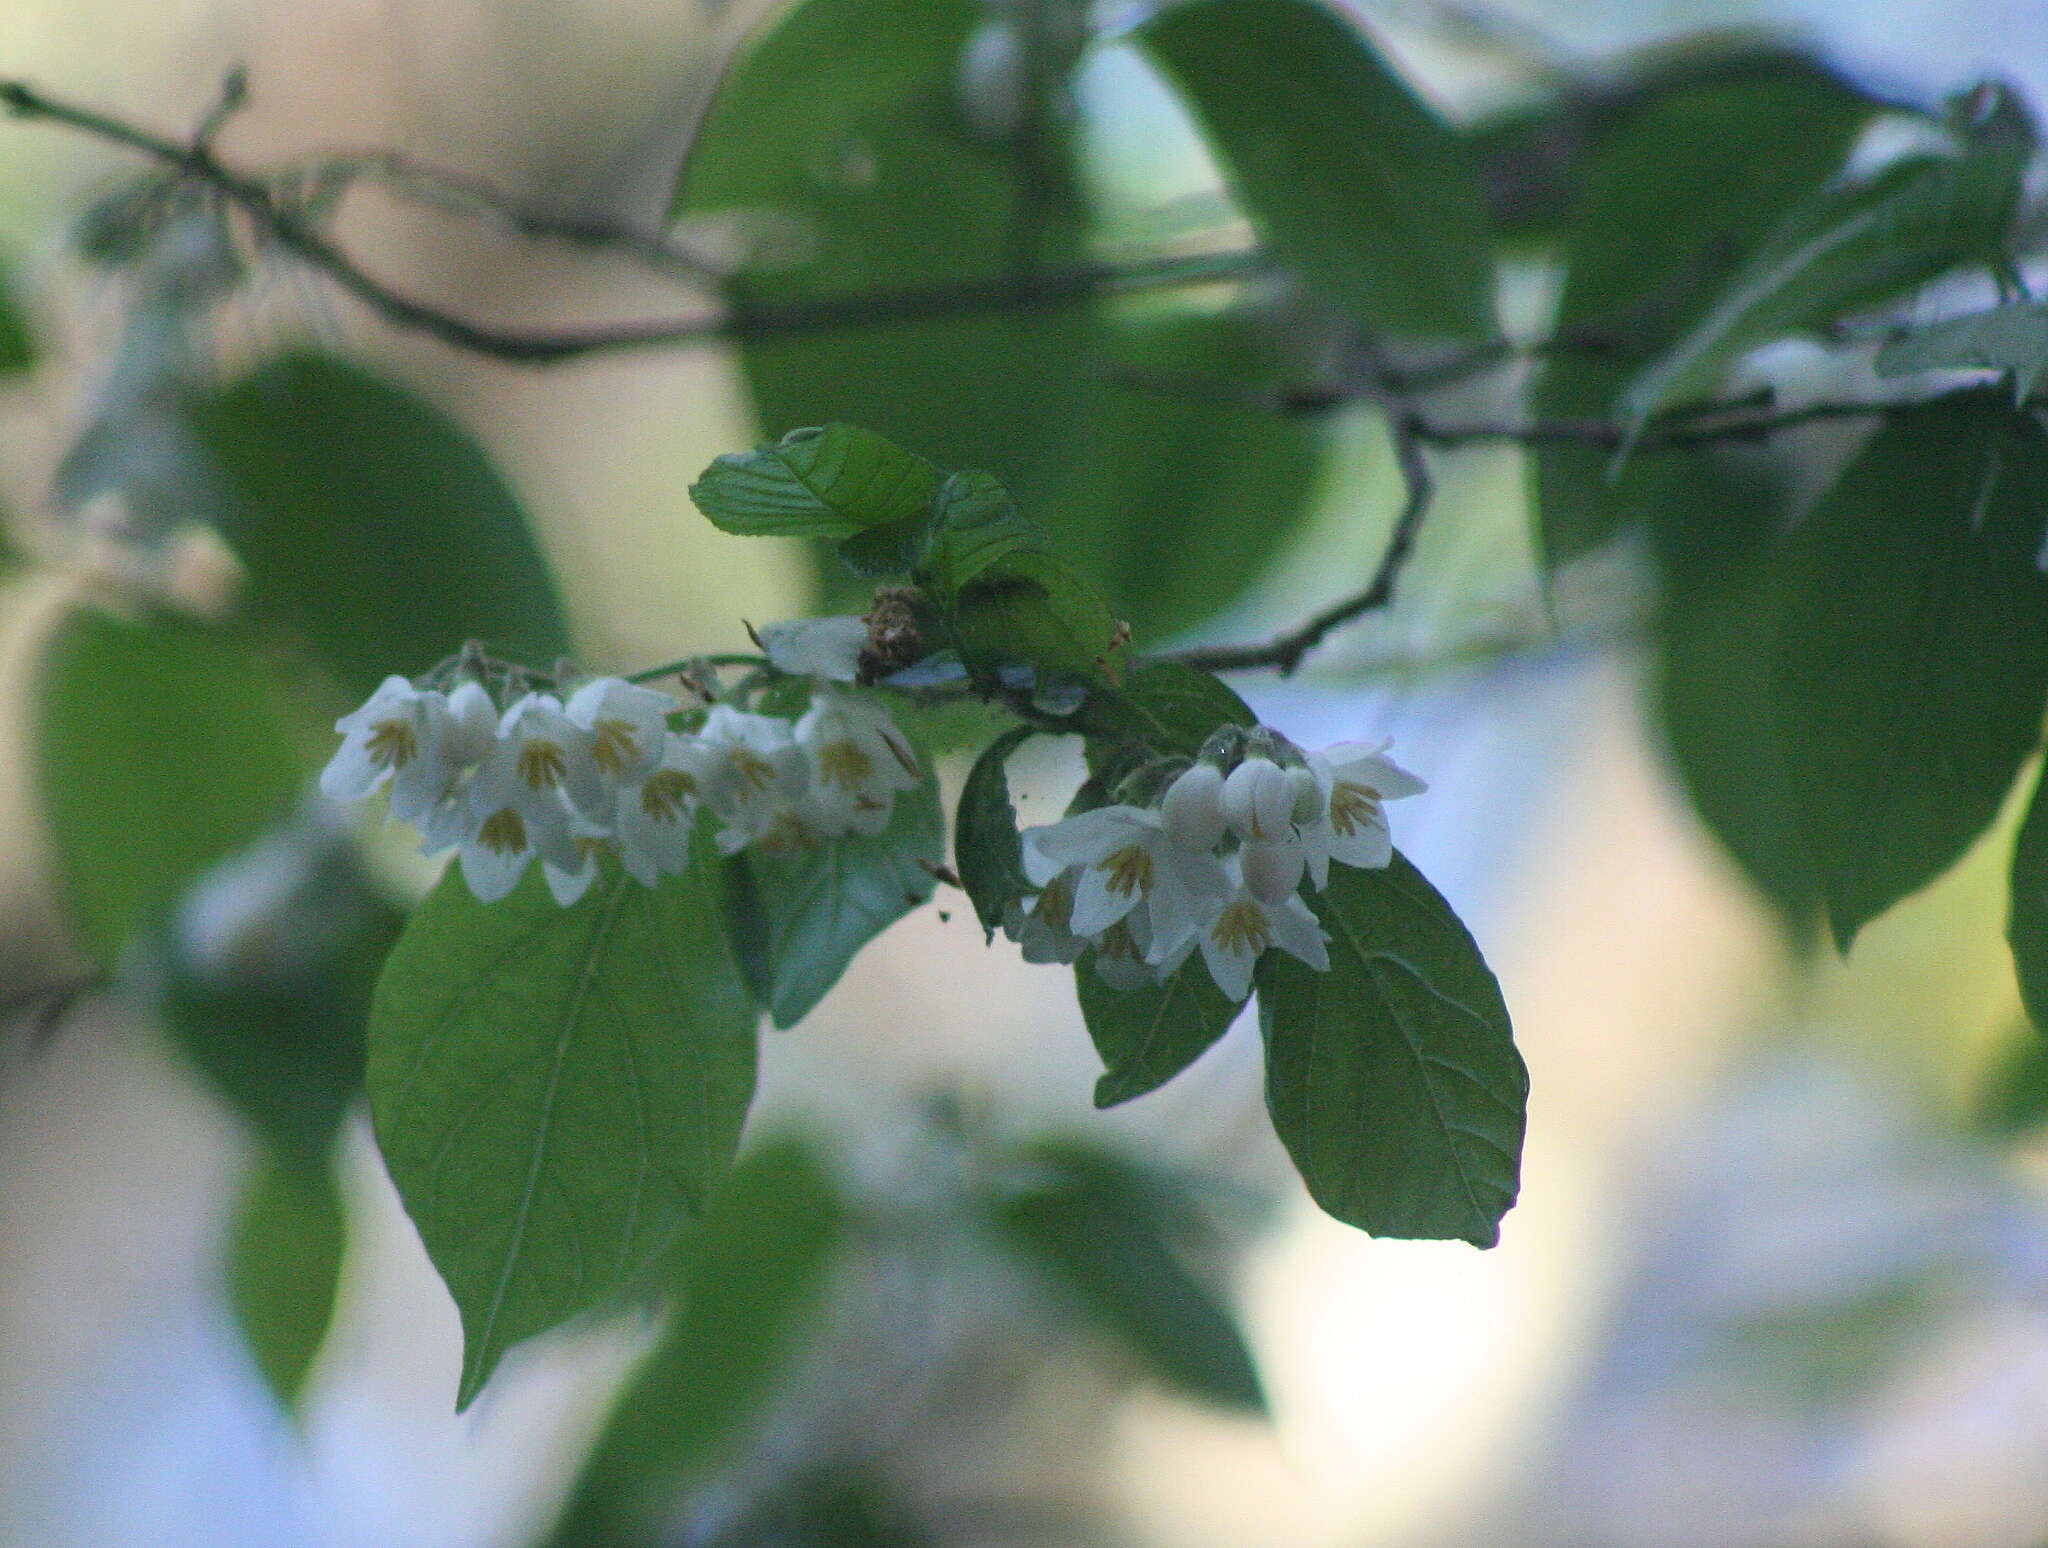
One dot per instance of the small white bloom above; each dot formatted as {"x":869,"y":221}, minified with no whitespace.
{"x":1193,"y":808}
{"x":858,"y":761}
{"x":1122,"y":950}
{"x":627,"y":726}
{"x":816,"y":647}
{"x":1042,"y":926}
{"x":758,"y":775}
{"x":1246,"y":926}
{"x":657,"y":813}
{"x":1257,"y":800}
{"x":1309,"y":801}
{"x":1126,"y":859}
{"x":399,"y":736}
{"x":1356,"y":781}
{"x":472,"y":725}
{"x":1272,"y":868}
{"x":505,"y":826}
{"x":544,"y":758}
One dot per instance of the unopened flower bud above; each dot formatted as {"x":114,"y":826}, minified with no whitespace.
{"x":1257,"y":800}
{"x":1272,"y":870}
{"x":1193,"y":808}
{"x":1308,"y":794}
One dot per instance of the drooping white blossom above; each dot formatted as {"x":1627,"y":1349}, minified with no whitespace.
{"x":1257,"y":800}
{"x":1356,"y":781}
{"x":399,"y":738}
{"x":1246,"y":926}
{"x":1126,"y":858}
{"x":858,"y":761}
{"x":1192,"y":808}
{"x":628,"y":726}
{"x":758,"y":777}
{"x":657,"y":812}
{"x":542,"y":759}
{"x":505,"y":824}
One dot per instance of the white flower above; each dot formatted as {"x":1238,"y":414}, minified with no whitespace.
{"x":858,"y":761}
{"x":399,"y":736}
{"x":1042,"y":926}
{"x":816,"y":647}
{"x":1121,"y":953}
{"x":1125,"y":859}
{"x":1272,"y":868}
{"x":472,"y":725}
{"x":1193,"y":808}
{"x":627,"y":724}
{"x":1356,"y":782}
{"x":542,"y":758}
{"x":1257,"y":800}
{"x":1245,"y":926}
{"x":504,"y":826}
{"x":758,"y":774}
{"x":656,"y":814}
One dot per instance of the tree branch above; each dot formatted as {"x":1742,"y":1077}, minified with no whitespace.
{"x":278,"y":223}
{"x":1283,"y":653}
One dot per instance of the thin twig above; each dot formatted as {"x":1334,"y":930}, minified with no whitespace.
{"x":1283,"y":653}
{"x":288,"y":230}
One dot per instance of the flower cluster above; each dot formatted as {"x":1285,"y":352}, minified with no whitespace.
{"x":1215,"y":864}
{"x":605,"y":772}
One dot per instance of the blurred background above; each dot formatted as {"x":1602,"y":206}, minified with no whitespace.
{"x":1778,"y":1272}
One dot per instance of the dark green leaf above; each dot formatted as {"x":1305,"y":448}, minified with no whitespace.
{"x":556,"y":1090}
{"x":747,"y":1279}
{"x":1393,"y":1078}
{"x":1847,"y":248}
{"x":2007,"y":338}
{"x":159,"y":751}
{"x":1352,"y":178}
{"x":975,"y":524}
{"x":1082,"y":1218}
{"x":2014,"y":1100}
{"x":1167,"y":707}
{"x":284,"y":1269}
{"x":798,"y":918}
{"x":1147,"y":1036}
{"x":1672,"y":204}
{"x":987,"y":851}
{"x":17,"y":343}
{"x":2027,"y":922}
{"x":833,"y":482}
{"x":1033,"y":609}
{"x":373,"y":525}
{"x":1911,"y":648}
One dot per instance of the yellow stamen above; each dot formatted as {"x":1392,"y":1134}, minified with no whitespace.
{"x":1352,"y":807}
{"x":1242,"y":929}
{"x":1130,"y":870}
{"x":844,"y":764}
{"x":613,"y":747}
{"x":590,"y":848}
{"x":757,"y":772}
{"x":787,"y":832}
{"x":543,"y":765}
{"x":665,"y":794}
{"x":1117,"y":944}
{"x":392,"y":744}
{"x":1056,"y":903}
{"x":503,"y":832}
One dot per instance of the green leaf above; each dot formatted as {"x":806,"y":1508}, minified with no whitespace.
{"x":975,"y":524}
{"x":373,"y":525}
{"x":17,"y":342}
{"x":1673,"y":204}
{"x":1147,"y":1036}
{"x":1393,"y":1079}
{"x":800,"y":917}
{"x":284,"y":1271}
{"x":1167,"y":707}
{"x":285,"y":1048}
{"x":1084,"y":1220}
{"x":874,"y":181}
{"x":1845,"y":249}
{"x":1911,"y":648}
{"x":555,"y":1090}
{"x":159,"y":751}
{"x":2027,"y":922}
{"x":1711,"y":684}
{"x":832,"y":482}
{"x":1350,"y":176}
{"x":748,"y":1278}
{"x":987,"y":851}
{"x":2014,"y":1100}
{"x":1035,"y":609}
{"x":2010,"y":338}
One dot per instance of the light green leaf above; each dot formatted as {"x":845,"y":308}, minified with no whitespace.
{"x":2026,"y":925}
{"x":1353,"y":179}
{"x":1674,"y":201}
{"x":1393,"y":1079}
{"x":975,"y":524}
{"x":1166,"y":707}
{"x":798,"y":918}
{"x":284,"y":1270}
{"x":2010,"y":338}
{"x":1910,"y":648}
{"x":987,"y":852}
{"x":557,"y":1090}
{"x":1079,"y":1215}
{"x":832,"y":482}
{"x":1147,"y":1036}
{"x":159,"y":751}
{"x":2014,"y":1099}
{"x":747,"y":1279}
{"x":1845,"y":249}
{"x":374,"y":526}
